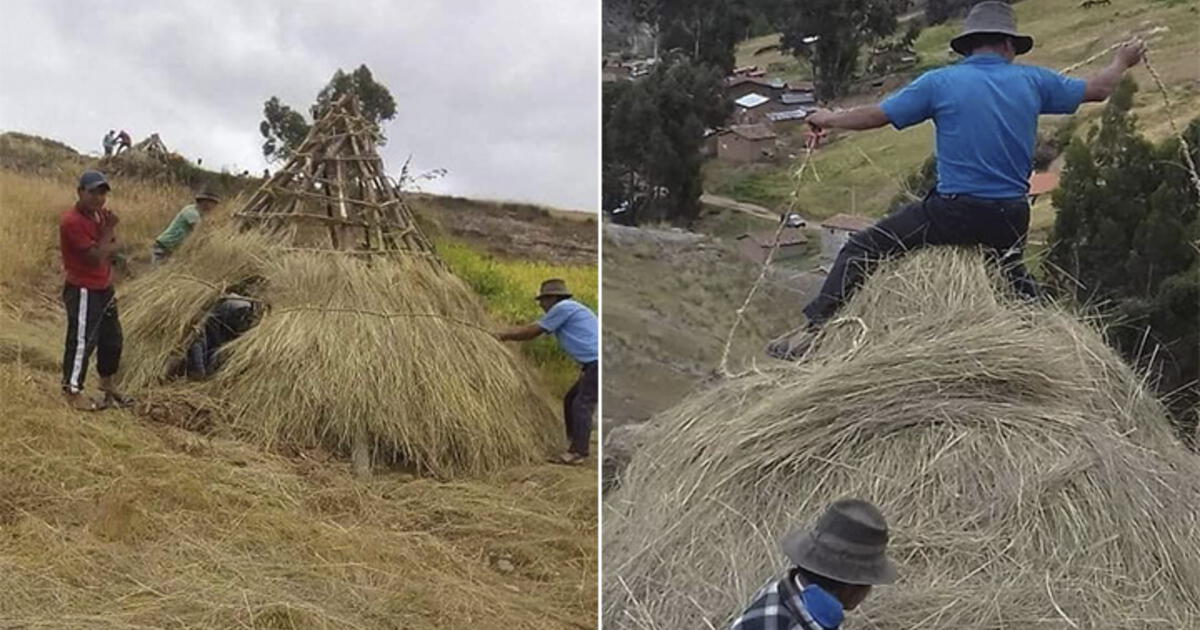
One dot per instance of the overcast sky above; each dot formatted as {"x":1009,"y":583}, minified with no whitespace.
{"x":504,"y":95}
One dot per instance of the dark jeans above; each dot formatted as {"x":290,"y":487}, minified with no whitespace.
{"x":228,"y":320}
{"x":579,"y":405}
{"x":1000,"y":226}
{"x":92,"y":325}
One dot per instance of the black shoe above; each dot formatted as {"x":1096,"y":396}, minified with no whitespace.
{"x":792,"y":346}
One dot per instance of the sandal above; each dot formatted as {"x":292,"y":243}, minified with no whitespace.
{"x":79,"y":402}
{"x":568,"y":459}
{"x":117,"y":400}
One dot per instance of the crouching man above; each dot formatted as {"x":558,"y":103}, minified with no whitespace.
{"x":835,"y":565}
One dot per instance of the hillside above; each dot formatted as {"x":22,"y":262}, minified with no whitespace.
{"x":669,"y":301}
{"x":861,"y":171}
{"x":161,"y":517}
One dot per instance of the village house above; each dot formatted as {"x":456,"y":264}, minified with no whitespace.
{"x":1042,"y":184}
{"x":737,"y":87}
{"x":754,"y":246}
{"x":753,"y":108}
{"x":614,"y":70}
{"x":746,"y":143}
{"x":788,"y":115}
{"x":836,"y":229}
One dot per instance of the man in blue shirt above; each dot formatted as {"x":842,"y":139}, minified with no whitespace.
{"x":985,"y":109}
{"x":578,"y":333}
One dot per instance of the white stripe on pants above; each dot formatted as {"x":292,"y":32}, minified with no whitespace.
{"x":81,"y":318}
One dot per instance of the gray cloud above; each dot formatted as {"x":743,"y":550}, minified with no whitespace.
{"x":504,"y":95}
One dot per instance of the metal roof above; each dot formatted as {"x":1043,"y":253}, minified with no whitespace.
{"x":797,"y":98}
{"x":752,"y":100}
{"x":791,"y":114}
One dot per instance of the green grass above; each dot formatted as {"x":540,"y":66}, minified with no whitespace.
{"x":724,"y":223}
{"x":777,"y":64}
{"x":849,"y":182}
{"x":509,"y":286}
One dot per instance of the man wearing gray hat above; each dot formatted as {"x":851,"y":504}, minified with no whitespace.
{"x":835,"y":565}
{"x":578,"y":333}
{"x":985,"y":110}
{"x":182,"y":225}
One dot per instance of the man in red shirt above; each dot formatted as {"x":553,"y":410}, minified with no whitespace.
{"x":87,"y":237}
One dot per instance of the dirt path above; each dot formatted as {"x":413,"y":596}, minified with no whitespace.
{"x":761,"y":212}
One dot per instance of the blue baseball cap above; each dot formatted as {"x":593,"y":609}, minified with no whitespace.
{"x":91,"y":180}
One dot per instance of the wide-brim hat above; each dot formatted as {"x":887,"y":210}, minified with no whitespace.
{"x":553,"y":287}
{"x":208,"y":195}
{"x":992,"y":16}
{"x":848,"y":544}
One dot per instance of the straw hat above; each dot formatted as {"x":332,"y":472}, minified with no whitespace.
{"x":208,"y":194}
{"x":553,"y":287}
{"x":992,"y":16}
{"x":848,"y":544}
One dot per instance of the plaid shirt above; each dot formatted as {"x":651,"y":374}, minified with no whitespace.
{"x":770,"y":611}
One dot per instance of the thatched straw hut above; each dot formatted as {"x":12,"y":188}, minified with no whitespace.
{"x":367,"y":344}
{"x":1030,"y":477}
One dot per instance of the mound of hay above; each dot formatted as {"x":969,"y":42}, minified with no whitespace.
{"x":391,"y":349}
{"x":1030,"y":479}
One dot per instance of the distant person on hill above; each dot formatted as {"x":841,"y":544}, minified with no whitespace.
{"x":985,"y":109}
{"x":123,"y":141}
{"x":182,"y":225}
{"x":578,"y":333}
{"x":110,"y":141}
{"x":834,"y":567}
{"x":87,"y":238}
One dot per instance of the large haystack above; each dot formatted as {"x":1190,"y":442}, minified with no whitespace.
{"x":368,"y":342}
{"x":1031,"y":479}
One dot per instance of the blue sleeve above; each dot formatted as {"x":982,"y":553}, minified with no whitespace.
{"x":1060,"y":94}
{"x":911,"y":104}
{"x":556,"y":317}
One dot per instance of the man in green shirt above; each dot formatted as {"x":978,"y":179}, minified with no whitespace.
{"x":182,"y":225}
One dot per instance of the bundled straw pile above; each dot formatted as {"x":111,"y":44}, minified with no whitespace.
{"x":394,"y":350}
{"x":1030,"y":478}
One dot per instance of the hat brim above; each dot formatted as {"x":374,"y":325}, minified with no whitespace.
{"x":1024,"y":43}
{"x":208,"y":198}
{"x":542,"y":295}
{"x":801,"y":548}
{"x":93,"y":187}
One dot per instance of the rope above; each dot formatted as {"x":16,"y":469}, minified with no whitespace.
{"x":740,"y":314}
{"x":381,"y":314}
{"x":1162,"y":88}
{"x":356,"y":311}
{"x":1183,"y":143}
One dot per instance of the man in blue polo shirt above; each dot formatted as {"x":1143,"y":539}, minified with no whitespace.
{"x":985,"y":109}
{"x":578,"y":333}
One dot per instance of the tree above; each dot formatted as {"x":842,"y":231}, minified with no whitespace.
{"x":652,"y":132}
{"x":841,"y":28}
{"x":284,"y":129}
{"x":917,"y":184}
{"x":706,"y":30}
{"x":938,"y":11}
{"x":1124,"y":239}
{"x":375,"y":99}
